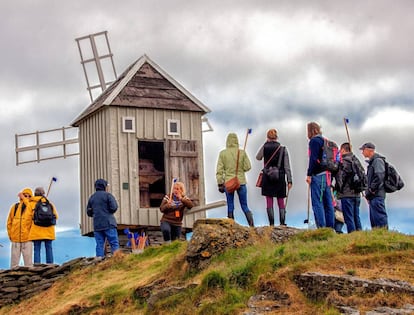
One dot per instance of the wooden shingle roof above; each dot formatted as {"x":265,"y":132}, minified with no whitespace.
{"x":145,"y":85}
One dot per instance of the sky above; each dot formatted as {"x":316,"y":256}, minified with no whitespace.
{"x":255,"y":64}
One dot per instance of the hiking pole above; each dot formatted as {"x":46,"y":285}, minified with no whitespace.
{"x":174,"y":180}
{"x":306,"y":221}
{"x":346,"y":121}
{"x":54,"y":179}
{"x":287,"y":198}
{"x":249,"y":131}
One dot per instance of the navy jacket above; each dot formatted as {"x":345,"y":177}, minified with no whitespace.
{"x":315,"y":155}
{"x":376,"y":176}
{"x":102,"y":206}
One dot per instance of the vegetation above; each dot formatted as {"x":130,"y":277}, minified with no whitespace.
{"x":225,"y":287}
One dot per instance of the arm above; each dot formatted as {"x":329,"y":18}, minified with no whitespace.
{"x":165,"y":205}
{"x":286,"y":164}
{"x":220,"y":170}
{"x":245,"y":161}
{"x":259,"y":154}
{"x":187,"y":202}
{"x":379,"y":175}
{"x":89,"y":209}
{"x":112,"y":204}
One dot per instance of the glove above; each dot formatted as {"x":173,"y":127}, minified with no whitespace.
{"x":221,"y":188}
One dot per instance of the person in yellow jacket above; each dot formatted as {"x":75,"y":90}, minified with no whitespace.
{"x":19,"y":223}
{"x":39,"y":234}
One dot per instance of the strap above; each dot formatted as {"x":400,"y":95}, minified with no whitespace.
{"x":237,"y":161}
{"x":274,"y":153}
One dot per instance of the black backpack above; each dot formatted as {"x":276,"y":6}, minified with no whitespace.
{"x":43,"y":213}
{"x":392,"y":180}
{"x":357,"y":179}
{"x":330,"y":156}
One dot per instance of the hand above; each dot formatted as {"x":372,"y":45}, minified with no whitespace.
{"x":221,"y":188}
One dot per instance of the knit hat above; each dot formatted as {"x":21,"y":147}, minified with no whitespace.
{"x":272,"y":134}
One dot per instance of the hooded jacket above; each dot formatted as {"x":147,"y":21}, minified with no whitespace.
{"x":19,"y":220}
{"x":102,"y":206}
{"x":376,"y":177}
{"x":42,"y":232}
{"x":226,"y":164}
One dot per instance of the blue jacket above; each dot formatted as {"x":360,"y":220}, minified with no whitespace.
{"x":315,"y":155}
{"x":102,"y":206}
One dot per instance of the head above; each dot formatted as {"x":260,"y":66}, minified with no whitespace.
{"x":345,"y":148}
{"x":179,"y":189}
{"x":368,"y":149}
{"x":100,"y":184}
{"x":27,"y":193}
{"x":313,"y":129}
{"x":232,"y":140}
{"x":39,"y":191}
{"x":272,"y":134}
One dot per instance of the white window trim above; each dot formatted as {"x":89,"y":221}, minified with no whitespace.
{"x":173,"y":133}
{"x":124,"y":119}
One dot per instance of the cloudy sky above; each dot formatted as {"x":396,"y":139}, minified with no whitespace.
{"x":255,"y":64}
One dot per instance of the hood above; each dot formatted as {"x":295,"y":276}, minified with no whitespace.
{"x":27,"y":191}
{"x":232,"y":141}
{"x":101,"y":184}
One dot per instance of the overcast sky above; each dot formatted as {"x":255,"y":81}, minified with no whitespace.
{"x":255,"y":64}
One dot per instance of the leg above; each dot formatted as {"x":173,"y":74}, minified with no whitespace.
{"x":282,"y":210}
{"x":112,"y":237}
{"x":100,"y":243}
{"x":316,"y":197}
{"x":347,"y":205}
{"x":269,"y":210}
{"x":49,"y":251}
{"x":27,"y":251}
{"x":242,"y":193}
{"x":379,"y":213}
{"x":37,"y":246}
{"x":15,"y":254}
{"x":166,"y":231}
{"x":328,"y":206}
{"x":175,"y":232}
{"x":357,"y":219}
{"x":230,"y":205}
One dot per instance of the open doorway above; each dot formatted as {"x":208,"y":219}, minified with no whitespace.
{"x":151,"y":173}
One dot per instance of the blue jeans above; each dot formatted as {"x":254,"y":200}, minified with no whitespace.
{"x":111,"y":235}
{"x":322,"y":205}
{"x":36,"y":251}
{"x":350,"y":209}
{"x":377,"y":213}
{"x":242,"y":193}
{"x":170,"y":232}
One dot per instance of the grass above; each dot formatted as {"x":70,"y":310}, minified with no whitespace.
{"x":232,"y":277}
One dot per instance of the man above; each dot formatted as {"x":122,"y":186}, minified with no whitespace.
{"x":375,"y":193}
{"x":19,"y":222}
{"x":226,"y":169}
{"x":102,"y":206}
{"x":319,"y":179}
{"x":350,"y":199}
{"x":39,"y":234}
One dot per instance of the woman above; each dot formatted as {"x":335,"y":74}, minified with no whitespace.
{"x":173,"y":212}
{"x":275,"y":155}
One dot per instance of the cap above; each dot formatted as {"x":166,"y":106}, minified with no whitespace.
{"x":367,"y":145}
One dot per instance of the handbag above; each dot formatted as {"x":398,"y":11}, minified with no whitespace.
{"x":259,"y":180}
{"x":233,"y":183}
{"x":271,"y":172}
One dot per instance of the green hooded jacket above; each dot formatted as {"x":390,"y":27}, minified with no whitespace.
{"x":226,"y":164}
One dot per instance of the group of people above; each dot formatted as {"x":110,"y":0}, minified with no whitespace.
{"x":25,"y":235}
{"x":323,"y":184}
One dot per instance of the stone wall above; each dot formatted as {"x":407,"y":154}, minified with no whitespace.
{"x":20,"y":283}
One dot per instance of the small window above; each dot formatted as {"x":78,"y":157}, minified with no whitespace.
{"x":128,"y":124}
{"x":173,"y":127}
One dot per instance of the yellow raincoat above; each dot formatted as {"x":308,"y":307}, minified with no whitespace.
{"x":41,"y":232}
{"x":19,"y":221}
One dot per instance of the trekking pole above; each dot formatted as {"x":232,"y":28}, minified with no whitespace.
{"x":174,"y":180}
{"x":287,"y":198}
{"x":54,"y":179}
{"x":346,"y":121}
{"x":249,"y":131}
{"x":306,"y":221}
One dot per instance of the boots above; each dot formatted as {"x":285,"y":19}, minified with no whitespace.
{"x":271,"y":216}
{"x":249,"y":218}
{"x":282,"y":216}
{"x":230,"y":215}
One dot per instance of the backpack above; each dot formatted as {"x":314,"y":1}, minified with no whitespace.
{"x":358,"y":178}
{"x":43,"y":213}
{"x":330,"y":156}
{"x":392,"y":180}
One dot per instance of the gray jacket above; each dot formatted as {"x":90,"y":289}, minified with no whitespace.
{"x":376,"y":176}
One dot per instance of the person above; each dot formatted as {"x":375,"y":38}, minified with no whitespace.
{"x":350,"y":199}
{"x":19,"y":223}
{"x":101,"y":207}
{"x":173,"y":208}
{"x":39,"y":234}
{"x":277,"y":188}
{"x":375,"y":192}
{"x":339,"y":217}
{"x":226,"y":169}
{"x":319,"y":179}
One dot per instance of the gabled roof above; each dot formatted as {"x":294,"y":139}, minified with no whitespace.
{"x":145,"y":85}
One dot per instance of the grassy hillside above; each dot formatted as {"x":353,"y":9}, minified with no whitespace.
{"x":232,"y":278}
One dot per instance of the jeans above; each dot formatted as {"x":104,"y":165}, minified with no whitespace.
{"x":49,"y":251}
{"x":111,"y":235}
{"x":322,"y":205}
{"x":377,"y":213}
{"x":242,"y":193}
{"x":350,"y":209}
{"x":170,"y":232}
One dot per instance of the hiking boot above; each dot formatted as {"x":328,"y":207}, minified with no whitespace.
{"x":271,"y":216}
